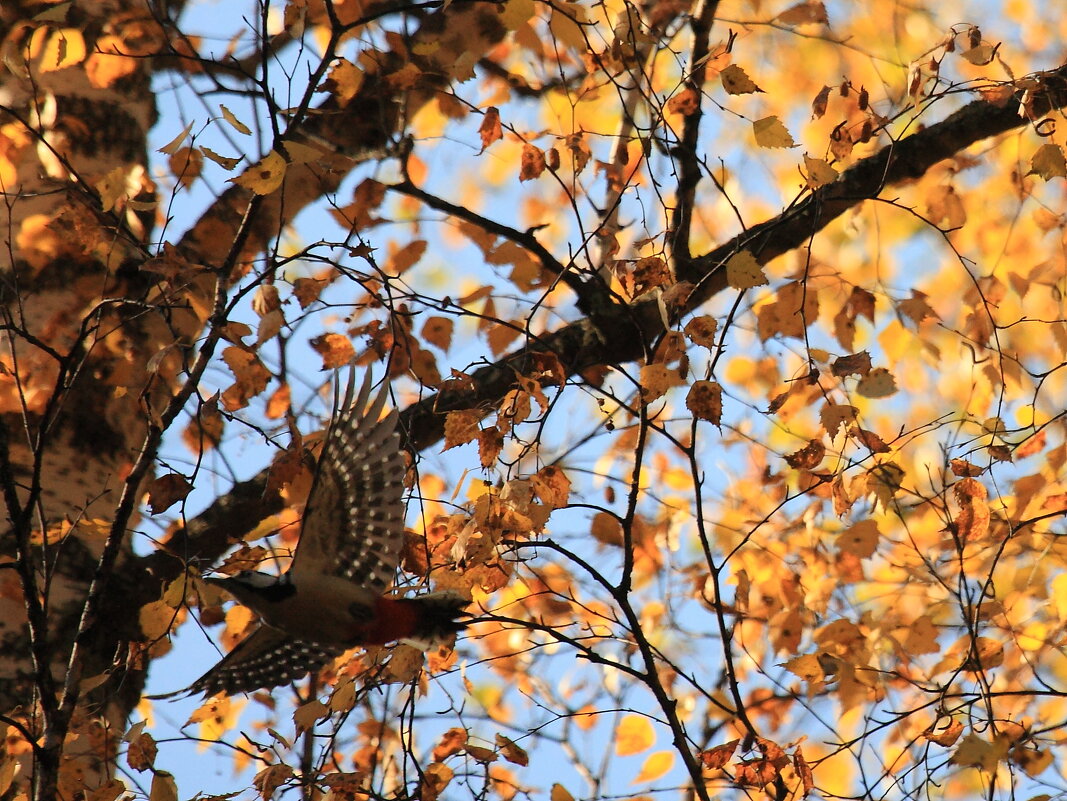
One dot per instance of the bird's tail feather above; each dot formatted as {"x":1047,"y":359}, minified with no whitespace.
{"x":441,"y":617}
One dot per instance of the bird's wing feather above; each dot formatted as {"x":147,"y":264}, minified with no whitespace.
{"x":354,"y":518}
{"x":265,"y":659}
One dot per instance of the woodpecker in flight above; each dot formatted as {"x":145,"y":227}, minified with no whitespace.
{"x":332,"y":596}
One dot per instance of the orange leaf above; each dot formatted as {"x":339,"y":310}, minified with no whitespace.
{"x":701,"y":330}
{"x":685,"y":102}
{"x":438,"y":331}
{"x":801,"y":13}
{"x":804,"y":772}
{"x":551,"y":486}
{"x":705,"y":401}
{"x":402,"y":260}
{"x":532,"y":163}
{"x":461,"y":427}
{"x":946,"y":736}
{"x":451,"y":742}
{"x":490,"y":130}
{"x":860,"y":539}
{"x":512,"y":753}
{"x":336,"y":350}
{"x":141,"y":755}
{"x":166,"y":491}
{"x":807,"y":458}
{"x":719,"y":755}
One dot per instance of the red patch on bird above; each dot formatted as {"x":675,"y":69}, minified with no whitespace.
{"x":394,"y":619}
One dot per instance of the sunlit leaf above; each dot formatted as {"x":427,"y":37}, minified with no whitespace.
{"x":771,"y":133}
{"x":736,"y":81}
{"x":633,"y":735}
{"x":655,"y":766}
{"x":744,"y":272}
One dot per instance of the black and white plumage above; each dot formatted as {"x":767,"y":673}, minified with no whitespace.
{"x":331,"y":598}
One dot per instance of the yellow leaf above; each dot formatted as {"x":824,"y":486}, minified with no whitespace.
{"x":235,"y":123}
{"x":344,"y":80}
{"x":270,"y":779}
{"x":551,"y":486}
{"x":878,"y":383}
{"x":656,"y":379}
{"x":57,"y":13}
{"x":975,"y":752}
{"x":107,"y":64}
{"x":984,"y":653}
{"x":607,"y":530}
{"x":62,"y":48}
{"x":300,"y":153}
{"x":657,"y":764}
{"x":461,"y":427}
{"x":744,"y":272}
{"x":112,"y":188}
{"x":9,"y":766}
{"x":634,"y":735}
{"x":307,"y":715}
{"x":265,"y":176}
{"x":164,"y":787}
{"x":715,"y":758}
{"x":736,"y":81}
{"x":806,"y":667}
{"x":438,"y":331}
{"x":108,"y":791}
{"x":155,"y":618}
{"x":819,"y":172}
{"x":980,"y":55}
{"x":833,"y":416}
{"x":516,"y":13}
{"x":944,"y":207}
{"x":225,"y":162}
{"x":174,"y":144}
{"x":1032,"y":760}
{"x":566,"y":26}
{"x":344,"y":697}
{"x":1048,"y":162}
{"x":559,"y":793}
{"x":771,"y":133}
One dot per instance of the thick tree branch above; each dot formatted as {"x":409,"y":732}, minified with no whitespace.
{"x":585,"y":343}
{"x":905,"y":160}
{"x":688,"y":163}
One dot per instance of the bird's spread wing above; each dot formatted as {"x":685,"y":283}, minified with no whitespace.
{"x":354,"y":518}
{"x":265,"y":659}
